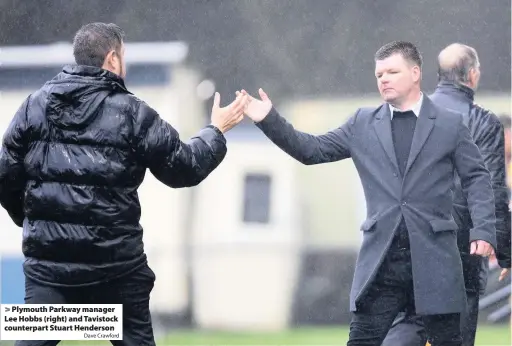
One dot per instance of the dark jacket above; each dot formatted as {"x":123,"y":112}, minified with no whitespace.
{"x":71,"y":162}
{"x":487,"y":132}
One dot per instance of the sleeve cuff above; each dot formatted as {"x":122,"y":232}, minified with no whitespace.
{"x":214,"y":128}
{"x":478,"y":234}
{"x":215,"y":139}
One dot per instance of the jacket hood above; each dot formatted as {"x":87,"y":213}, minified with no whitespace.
{"x":76,"y":94}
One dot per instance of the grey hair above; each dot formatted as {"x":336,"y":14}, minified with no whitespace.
{"x":457,"y":71}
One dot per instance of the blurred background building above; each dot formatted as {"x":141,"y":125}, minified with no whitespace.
{"x":264,"y":243}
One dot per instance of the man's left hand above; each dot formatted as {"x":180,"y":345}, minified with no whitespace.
{"x":494,"y":261}
{"x":481,"y":248}
{"x":503,"y":273}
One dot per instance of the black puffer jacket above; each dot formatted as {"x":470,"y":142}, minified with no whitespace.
{"x":488,"y":135}
{"x":70,"y":165}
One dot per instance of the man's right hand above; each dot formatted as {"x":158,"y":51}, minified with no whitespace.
{"x":256,"y":109}
{"x":225,"y":118}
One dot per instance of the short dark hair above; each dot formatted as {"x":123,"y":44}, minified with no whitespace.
{"x":505,"y":120}
{"x":458,"y":72}
{"x":93,"y":42}
{"x":408,"y":51}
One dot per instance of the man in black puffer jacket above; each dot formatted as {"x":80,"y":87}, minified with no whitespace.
{"x":71,"y":162}
{"x":459,"y":73}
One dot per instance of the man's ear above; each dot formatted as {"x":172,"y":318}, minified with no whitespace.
{"x":473,"y":77}
{"x":416,"y":72}
{"x":109,"y":59}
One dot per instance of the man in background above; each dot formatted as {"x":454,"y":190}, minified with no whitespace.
{"x":459,"y":74}
{"x":506,"y":122}
{"x":71,"y":162}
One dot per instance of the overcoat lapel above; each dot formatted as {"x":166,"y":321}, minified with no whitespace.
{"x":382,"y":127}
{"x":424,"y":126}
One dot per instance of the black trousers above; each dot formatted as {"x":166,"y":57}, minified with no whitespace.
{"x":409,"y":330}
{"x":390,"y":293}
{"x":132,"y":291}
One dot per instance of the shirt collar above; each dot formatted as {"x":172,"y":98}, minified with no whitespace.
{"x":415,"y":108}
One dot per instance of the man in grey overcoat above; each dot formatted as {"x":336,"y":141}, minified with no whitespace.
{"x":407,"y":152}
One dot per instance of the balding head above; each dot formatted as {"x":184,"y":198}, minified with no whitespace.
{"x":459,"y":63}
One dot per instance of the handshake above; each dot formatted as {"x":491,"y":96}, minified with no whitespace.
{"x":225,"y":118}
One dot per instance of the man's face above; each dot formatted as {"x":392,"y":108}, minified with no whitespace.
{"x":396,"y":78}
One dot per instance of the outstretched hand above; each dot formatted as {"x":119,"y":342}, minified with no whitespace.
{"x":225,"y":118}
{"x":256,"y":109}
